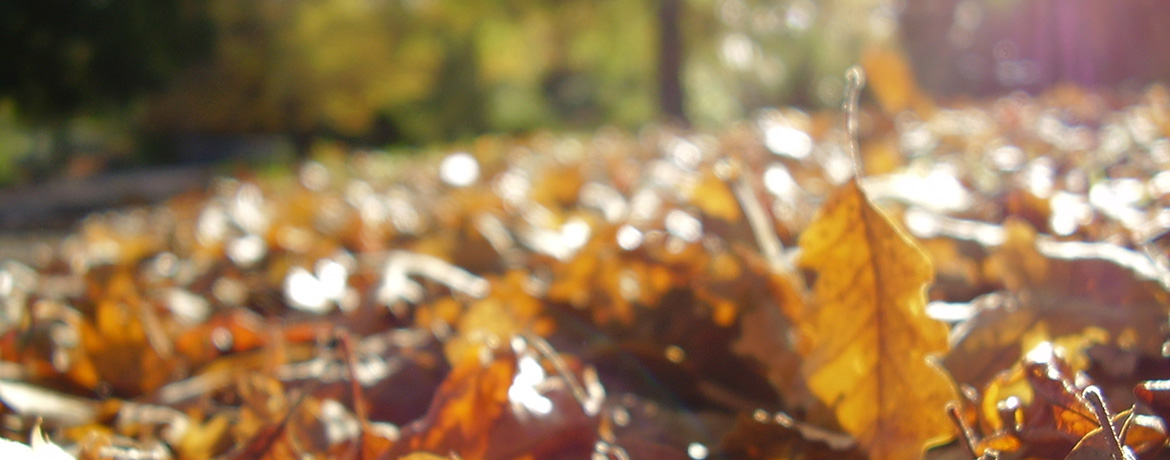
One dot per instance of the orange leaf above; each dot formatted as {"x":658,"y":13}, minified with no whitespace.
{"x":1086,"y":292}
{"x":466,"y":407}
{"x":716,"y":200}
{"x":868,"y":338}
{"x":893,"y":82}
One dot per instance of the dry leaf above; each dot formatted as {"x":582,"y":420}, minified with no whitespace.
{"x":766,"y":331}
{"x":426,"y":456}
{"x":1036,"y":410}
{"x":1063,"y":290}
{"x":1141,"y":434}
{"x":715,"y":199}
{"x":869,"y":337}
{"x":893,"y":82}
{"x":650,"y":286}
{"x":506,"y":394}
{"x":765,"y":436}
{"x":468,"y":403}
{"x":1155,"y":394}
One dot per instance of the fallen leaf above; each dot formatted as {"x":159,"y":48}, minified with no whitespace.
{"x":507,"y":312}
{"x":205,"y":440}
{"x":506,"y":393}
{"x":1059,"y":399}
{"x":765,"y":436}
{"x":766,"y":333}
{"x":1036,"y":409}
{"x":426,"y":456}
{"x":1141,"y":434}
{"x":266,"y":416}
{"x":869,"y":339}
{"x":1061,"y":289}
{"x":715,"y":199}
{"x":644,"y":428}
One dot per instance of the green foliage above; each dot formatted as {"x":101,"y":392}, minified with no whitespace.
{"x":432,"y":70}
{"x":15,"y":142}
{"x":414,"y":72}
{"x":749,"y":54}
{"x":61,"y":57}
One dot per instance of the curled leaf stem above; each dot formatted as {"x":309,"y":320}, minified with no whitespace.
{"x":854,"y":82}
{"x":968,"y":436}
{"x":1093,"y":395}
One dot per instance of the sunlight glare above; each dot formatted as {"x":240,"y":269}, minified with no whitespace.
{"x":459,"y":169}
{"x":523,"y":392}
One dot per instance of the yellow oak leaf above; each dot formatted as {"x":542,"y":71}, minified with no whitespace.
{"x":713,"y":196}
{"x":868,"y":339}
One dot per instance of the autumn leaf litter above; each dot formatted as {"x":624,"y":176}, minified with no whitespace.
{"x":998,"y":266}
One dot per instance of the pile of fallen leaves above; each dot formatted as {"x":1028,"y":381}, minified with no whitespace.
{"x":994,"y":283}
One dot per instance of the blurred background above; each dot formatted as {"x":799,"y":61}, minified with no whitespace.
{"x":146,"y":96}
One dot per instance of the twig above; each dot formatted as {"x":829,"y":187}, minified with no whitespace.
{"x":1093,"y":395}
{"x":854,"y":82}
{"x":968,"y":436}
{"x":760,"y":224}
{"x":345,"y":342}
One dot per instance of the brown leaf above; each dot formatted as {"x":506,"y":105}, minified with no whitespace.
{"x":869,"y":337}
{"x":266,"y":418}
{"x":1035,"y":409}
{"x":1155,"y":394}
{"x":427,"y":456}
{"x":715,"y":199}
{"x":1140,"y":433}
{"x":763,"y":436}
{"x":467,"y":405}
{"x":206,"y":439}
{"x":1061,"y":289}
{"x":766,"y":331}
{"x":117,"y":350}
{"x":507,"y":402}
{"x":507,"y":312}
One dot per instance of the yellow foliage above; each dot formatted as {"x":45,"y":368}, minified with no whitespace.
{"x":893,"y":82}
{"x":868,"y":339}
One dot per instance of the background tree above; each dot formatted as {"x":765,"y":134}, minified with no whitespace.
{"x":414,"y":72}
{"x":417,"y":71}
{"x":59,"y":59}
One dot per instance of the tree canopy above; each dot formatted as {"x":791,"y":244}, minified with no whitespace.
{"x":61,"y":57}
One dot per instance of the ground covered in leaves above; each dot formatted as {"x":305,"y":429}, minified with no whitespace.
{"x":995,"y":283}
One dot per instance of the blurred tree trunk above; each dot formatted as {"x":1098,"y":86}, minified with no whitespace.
{"x":60,"y":147}
{"x":670,"y":55}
